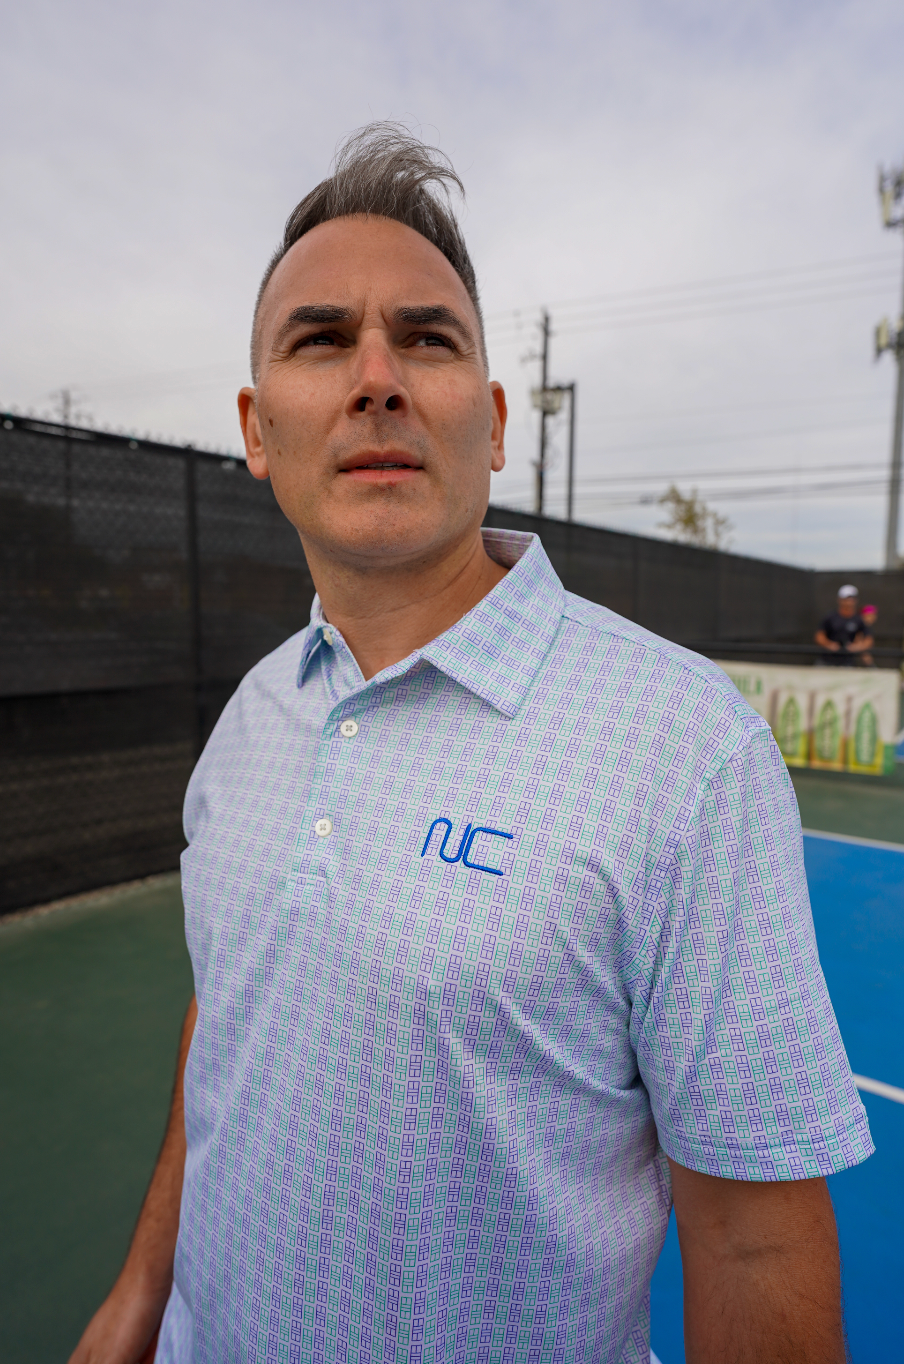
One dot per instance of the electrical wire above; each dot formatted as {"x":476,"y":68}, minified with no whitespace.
{"x":584,"y":485}
{"x":611,"y":418}
{"x":845,"y":488}
{"x":708,"y":284}
{"x":620,"y":322}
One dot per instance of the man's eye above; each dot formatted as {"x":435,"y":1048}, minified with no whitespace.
{"x":434,"y":339}
{"x":318,"y":339}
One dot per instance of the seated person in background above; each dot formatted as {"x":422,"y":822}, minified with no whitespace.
{"x":843,"y":634}
{"x":868,"y":615}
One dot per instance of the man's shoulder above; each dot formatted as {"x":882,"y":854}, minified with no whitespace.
{"x":283,"y":661}
{"x":266,"y":684}
{"x":647,"y":658}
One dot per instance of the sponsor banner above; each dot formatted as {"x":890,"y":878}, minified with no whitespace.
{"x":841,"y":719}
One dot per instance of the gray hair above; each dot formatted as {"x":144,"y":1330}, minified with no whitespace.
{"x":383,"y":171}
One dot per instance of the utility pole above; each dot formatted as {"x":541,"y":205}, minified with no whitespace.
{"x":888,"y":337}
{"x":63,"y":405}
{"x":569,"y":512}
{"x":64,"y":412}
{"x":544,"y":413}
{"x":548,"y":399}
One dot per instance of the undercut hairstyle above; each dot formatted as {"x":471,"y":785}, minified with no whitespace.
{"x":383,"y":171}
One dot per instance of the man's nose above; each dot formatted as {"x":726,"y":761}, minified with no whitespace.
{"x":378,"y":385}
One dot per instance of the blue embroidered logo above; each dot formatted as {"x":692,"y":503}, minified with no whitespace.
{"x":465,"y":845}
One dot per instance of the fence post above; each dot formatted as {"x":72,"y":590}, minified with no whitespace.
{"x":193,"y":567}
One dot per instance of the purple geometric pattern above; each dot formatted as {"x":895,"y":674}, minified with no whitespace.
{"x":427,"y":1105}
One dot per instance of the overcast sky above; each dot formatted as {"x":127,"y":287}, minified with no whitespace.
{"x":711,"y":165}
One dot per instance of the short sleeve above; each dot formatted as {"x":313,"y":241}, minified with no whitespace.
{"x":734,"y":1031}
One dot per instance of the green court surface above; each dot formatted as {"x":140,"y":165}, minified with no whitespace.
{"x":91,"y":1000}
{"x":845,"y":803}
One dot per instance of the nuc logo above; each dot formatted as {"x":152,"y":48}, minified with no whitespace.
{"x":465,"y":846}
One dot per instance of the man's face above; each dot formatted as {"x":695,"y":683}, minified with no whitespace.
{"x":373,"y":416}
{"x":847,"y":606}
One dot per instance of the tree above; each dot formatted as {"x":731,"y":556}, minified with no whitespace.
{"x":691,"y":521}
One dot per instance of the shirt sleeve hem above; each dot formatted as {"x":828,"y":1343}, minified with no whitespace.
{"x":775,"y":1159}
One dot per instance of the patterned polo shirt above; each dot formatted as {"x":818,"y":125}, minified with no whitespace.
{"x":475,"y":943}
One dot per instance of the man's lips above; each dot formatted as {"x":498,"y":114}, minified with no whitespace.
{"x":389,"y":467}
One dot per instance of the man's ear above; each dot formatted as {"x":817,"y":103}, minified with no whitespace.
{"x":497,"y":434}
{"x":251,"y":430}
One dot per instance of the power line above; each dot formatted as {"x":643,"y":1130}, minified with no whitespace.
{"x":733,"y":291}
{"x":846,"y":488}
{"x":618,"y":322}
{"x":849,"y":487}
{"x":646,"y":415}
{"x":793,"y":472}
{"x":734,"y":439}
{"x":712,"y":282}
{"x":589,"y":485}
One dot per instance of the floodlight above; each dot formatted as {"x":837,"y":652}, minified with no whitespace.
{"x":548,"y":400}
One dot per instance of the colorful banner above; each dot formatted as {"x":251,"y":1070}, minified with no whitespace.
{"x":841,"y":719}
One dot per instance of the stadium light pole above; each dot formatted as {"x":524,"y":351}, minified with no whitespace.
{"x":891,"y":338}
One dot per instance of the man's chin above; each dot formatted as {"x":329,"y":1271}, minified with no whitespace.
{"x":386,"y":536}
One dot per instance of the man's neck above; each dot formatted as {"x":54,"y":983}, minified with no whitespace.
{"x":385,"y":614}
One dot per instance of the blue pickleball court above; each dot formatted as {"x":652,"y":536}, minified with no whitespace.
{"x":857,"y":892}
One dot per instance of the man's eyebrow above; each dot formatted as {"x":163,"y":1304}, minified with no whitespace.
{"x":320,"y":313}
{"x":432,"y":313}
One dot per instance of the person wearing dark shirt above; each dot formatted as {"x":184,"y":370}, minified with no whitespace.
{"x":843,"y":634}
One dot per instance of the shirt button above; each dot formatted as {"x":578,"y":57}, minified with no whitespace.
{"x":348,"y":729}
{"x":323,"y":828}
{"x":327,"y":636}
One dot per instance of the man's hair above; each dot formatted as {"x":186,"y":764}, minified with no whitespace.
{"x":383,"y":171}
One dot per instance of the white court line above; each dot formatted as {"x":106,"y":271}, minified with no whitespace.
{"x":862,"y":1081}
{"x":849,"y":838}
{"x":879,"y":1087}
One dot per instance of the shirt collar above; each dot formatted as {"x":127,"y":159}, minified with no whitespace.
{"x":497,"y":648}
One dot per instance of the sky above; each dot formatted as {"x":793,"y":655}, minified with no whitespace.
{"x":689,"y":188}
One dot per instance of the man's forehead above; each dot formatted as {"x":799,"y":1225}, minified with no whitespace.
{"x":353,"y":262}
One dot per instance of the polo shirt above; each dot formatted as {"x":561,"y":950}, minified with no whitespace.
{"x":475,"y":944}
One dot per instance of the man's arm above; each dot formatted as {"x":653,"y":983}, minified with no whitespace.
{"x":762,"y":1276}
{"x":824,"y":642}
{"x":124,"y":1329}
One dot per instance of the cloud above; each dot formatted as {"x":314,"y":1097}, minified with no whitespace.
{"x":151,"y":154}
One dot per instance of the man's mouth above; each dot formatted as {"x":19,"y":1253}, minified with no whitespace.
{"x":387,"y":470}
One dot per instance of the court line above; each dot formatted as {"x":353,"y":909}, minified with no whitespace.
{"x":879,"y":1087}
{"x":851,"y":838}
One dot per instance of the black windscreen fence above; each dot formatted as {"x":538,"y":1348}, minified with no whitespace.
{"x":141,"y":581}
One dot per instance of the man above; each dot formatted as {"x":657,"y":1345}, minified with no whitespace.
{"x":495,"y":902}
{"x":843,"y":634}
